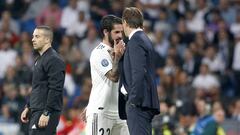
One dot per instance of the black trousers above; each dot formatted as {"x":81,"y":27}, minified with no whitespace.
{"x":50,"y":129}
{"x":237,"y":79}
{"x":139,"y":120}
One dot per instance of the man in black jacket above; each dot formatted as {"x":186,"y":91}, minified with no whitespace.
{"x":46,"y":98}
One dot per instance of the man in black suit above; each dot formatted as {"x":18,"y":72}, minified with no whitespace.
{"x":137,"y":84}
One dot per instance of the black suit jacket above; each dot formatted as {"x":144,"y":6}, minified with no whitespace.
{"x":138,"y":75}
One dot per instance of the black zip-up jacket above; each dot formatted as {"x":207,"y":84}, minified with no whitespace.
{"x":47,"y":83}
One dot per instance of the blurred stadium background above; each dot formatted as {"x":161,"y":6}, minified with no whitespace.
{"x":197,"y":55}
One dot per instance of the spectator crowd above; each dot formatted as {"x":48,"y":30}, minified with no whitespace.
{"x":197,"y":59}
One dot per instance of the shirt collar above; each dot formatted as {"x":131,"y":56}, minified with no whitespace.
{"x":134,"y":31}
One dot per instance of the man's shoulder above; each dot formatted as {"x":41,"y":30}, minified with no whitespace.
{"x":99,"y":51}
{"x":98,"y":48}
{"x":139,"y":37}
{"x":54,"y":58}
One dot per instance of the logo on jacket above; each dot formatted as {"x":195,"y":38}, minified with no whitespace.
{"x":104,"y":62}
{"x":34,"y":126}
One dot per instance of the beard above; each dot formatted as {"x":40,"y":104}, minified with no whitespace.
{"x":111,"y":41}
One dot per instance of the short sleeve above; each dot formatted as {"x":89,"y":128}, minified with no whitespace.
{"x":101,"y":61}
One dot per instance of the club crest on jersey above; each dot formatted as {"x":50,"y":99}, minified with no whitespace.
{"x":104,"y":62}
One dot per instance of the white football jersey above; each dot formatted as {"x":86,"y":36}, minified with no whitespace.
{"x":104,"y":92}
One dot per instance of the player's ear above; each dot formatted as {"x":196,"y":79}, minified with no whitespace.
{"x":105,"y":32}
{"x":48,"y":39}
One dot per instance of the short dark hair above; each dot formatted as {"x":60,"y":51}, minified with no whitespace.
{"x":133,"y":17}
{"x":48,"y":31}
{"x":109,"y":21}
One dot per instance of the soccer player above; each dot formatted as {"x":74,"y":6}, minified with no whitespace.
{"x":102,"y":110}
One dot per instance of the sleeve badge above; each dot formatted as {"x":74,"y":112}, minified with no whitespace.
{"x":104,"y":62}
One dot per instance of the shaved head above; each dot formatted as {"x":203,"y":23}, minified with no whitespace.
{"x":47,"y":31}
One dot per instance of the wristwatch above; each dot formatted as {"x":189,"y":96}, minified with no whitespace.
{"x":46,"y":113}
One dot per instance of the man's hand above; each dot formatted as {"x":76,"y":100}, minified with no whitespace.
{"x":119,"y":48}
{"x":43,"y":121}
{"x":83,"y":115}
{"x":116,"y":54}
{"x":24,"y":115}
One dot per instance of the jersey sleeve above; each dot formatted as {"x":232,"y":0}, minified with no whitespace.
{"x":102,"y":62}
